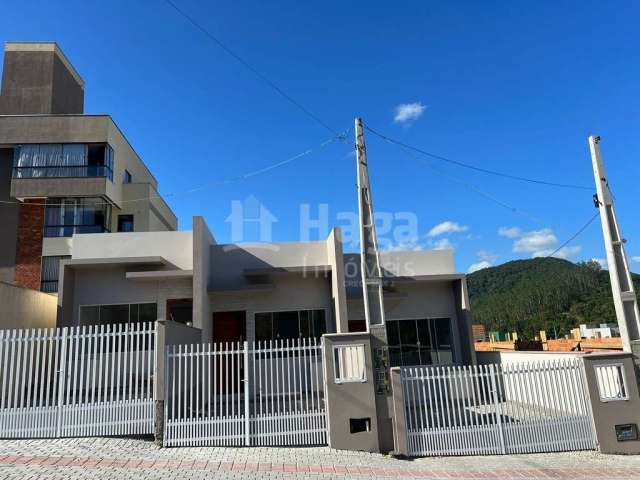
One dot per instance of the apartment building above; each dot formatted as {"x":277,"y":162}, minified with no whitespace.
{"x":62,"y":172}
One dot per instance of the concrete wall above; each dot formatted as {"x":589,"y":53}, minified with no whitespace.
{"x":38,"y":79}
{"x":350,"y":400}
{"x":607,"y":415}
{"x":175,"y":247}
{"x":203,"y":243}
{"x":25,"y":308}
{"x":107,"y":285}
{"x":150,"y":215}
{"x":335,"y":258}
{"x":9,"y":216}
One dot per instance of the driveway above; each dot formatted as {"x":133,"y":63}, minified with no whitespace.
{"x":116,"y":459}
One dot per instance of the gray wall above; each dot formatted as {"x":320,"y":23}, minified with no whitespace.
{"x":38,"y":82}
{"x":9,"y":218}
{"x":202,"y":245}
{"x":26,"y":308}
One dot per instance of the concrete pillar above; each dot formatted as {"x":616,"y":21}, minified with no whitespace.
{"x":400,"y":440}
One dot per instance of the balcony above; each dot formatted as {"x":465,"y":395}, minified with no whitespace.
{"x":67,"y":216}
{"x":69,"y":171}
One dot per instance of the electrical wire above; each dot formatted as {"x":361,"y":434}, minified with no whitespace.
{"x":227,"y":181}
{"x":249,"y":67}
{"x":473,"y":167}
{"x":575,"y":235}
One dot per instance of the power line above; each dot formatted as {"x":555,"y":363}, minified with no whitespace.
{"x":478,"y":169}
{"x":575,"y":235}
{"x":249,"y":67}
{"x":227,"y":181}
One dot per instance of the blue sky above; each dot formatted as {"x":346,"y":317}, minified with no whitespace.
{"x":510,"y":86}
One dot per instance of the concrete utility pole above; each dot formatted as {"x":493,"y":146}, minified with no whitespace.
{"x":369,"y":256}
{"x":624,"y":295}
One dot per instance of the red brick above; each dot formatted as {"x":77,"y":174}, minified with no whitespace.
{"x":29,"y":244}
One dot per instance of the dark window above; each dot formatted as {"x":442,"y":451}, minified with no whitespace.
{"x":50,"y":273}
{"x":118,"y":314}
{"x":63,"y":160}
{"x":66,"y":216}
{"x":419,"y":342}
{"x":125,"y":223}
{"x":180,"y":310}
{"x":290,"y":324}
{"x":126,"y":177}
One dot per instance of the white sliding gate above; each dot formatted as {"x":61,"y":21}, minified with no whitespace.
{"x":249,"y":393}
{"x":497,"y":409}
{"x":77,"y":381}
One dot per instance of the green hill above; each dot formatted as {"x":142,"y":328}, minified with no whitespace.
{"x":542,"y":294}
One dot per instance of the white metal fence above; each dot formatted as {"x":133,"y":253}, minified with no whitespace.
{"x":258,"y":393}
{"x":497,"y":409}
{"x":77,"y":381}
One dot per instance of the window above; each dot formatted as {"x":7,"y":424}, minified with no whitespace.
{"x":126,"y":177}
{"x":290,"y":324}
{"x":125,"y":223}
{"x":116,"y":314}
{"x":349,"y":363}
{"x":66,"y":216}
{"x":180,"y":310}
{"x":419,"y":342}
{"x":611,"y":383}
{"x":50,"y":273}
{"x":46,"y":160}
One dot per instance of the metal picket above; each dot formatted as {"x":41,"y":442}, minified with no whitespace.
{"x":249,"y":393}
{"x":77,"y":381}
{"x":497,"y":409}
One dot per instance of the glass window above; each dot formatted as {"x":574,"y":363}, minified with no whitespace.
{"x":180,"y":310}
{"x":125,"y":223}
{"x":419,"y":342}
{"x":116,"y":314}
{"x":65,"y":216}
{"x":290,"y":324}
{"x":63,"y":160}
{"x":50,"y":273}
{"x":126,"y":177}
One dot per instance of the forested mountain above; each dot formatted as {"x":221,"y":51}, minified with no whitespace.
{"x":542,"y":294}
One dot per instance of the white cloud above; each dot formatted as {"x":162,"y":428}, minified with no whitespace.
{"x":509,"y":232}
{"x":564,"y":253}
{"x":535,"y":242}
{"x":408,"y":112}
{"x":474,"y":267}
{"x":442,"y":244}
{"x":602,"y":261}
{"x":447,"y":227}
{"x":636,"y":259}
{"x":487,"y":256}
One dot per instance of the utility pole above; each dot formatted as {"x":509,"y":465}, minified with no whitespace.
{"x":624,"y":295}
{"x":369,"y":256}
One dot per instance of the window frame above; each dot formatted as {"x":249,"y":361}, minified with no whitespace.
{"x":340,"y":379}
{"x":81,"y":305}
{"x":123,"y":216}
{"x":619,"y":366}
{"x":433,"y":347}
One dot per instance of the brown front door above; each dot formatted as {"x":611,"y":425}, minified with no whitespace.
{"x":229,"y":328}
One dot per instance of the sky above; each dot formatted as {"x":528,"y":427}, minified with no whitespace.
{"x":515,"y":87}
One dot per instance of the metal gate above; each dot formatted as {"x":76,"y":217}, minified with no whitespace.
{"x":249,"y":393}
{"x":77,"y":381}
{"x":497,"y":409}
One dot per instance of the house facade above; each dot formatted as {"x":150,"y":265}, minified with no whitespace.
{"x":265,"y":291}
{"x":62,"y":172}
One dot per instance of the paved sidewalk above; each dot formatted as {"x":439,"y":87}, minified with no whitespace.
{"x":117,"y":459}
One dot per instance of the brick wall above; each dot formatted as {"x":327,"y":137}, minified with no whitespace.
{"x":29,"y":244}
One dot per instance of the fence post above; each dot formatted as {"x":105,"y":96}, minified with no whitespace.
{"x":494,"y":388}
{"x":400,"y":429}
{"x":247,"y":433}
{"x":62,"y":379}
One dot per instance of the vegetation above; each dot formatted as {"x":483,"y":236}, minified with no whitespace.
{"x":550,"y":294}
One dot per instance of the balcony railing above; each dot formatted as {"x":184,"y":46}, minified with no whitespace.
{"x":68,"y":230}
{"x":67,"y":171}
